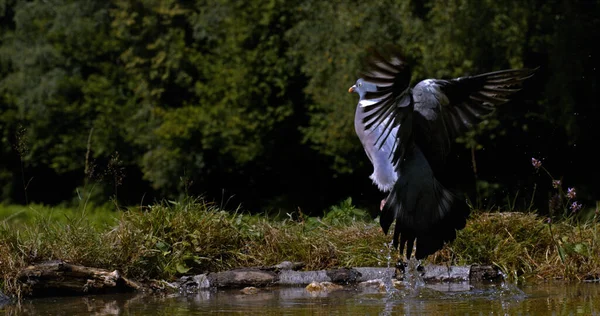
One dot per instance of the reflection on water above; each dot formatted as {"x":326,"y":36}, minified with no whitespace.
{"x":432,"y":299}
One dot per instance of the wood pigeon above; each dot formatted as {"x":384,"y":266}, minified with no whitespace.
{"x":408,"y":134}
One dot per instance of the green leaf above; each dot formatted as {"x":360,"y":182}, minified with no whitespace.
{"x":581,"y":249}
{"x":561,"y":253}
{"x":162,"y":246}
{"x":181,"y":267}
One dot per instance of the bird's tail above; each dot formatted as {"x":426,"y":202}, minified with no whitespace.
{"x":423,"y":208}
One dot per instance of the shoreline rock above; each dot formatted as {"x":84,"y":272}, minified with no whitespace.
{"x":4,"y":300}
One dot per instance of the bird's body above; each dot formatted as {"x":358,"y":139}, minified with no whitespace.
{"x":384,"y":172}
{"x":408,"y":134}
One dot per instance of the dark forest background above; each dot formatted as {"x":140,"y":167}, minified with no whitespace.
{"x":246,"y":101}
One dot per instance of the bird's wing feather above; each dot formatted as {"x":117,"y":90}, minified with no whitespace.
{"x":392,"y":107}
{"x":448,"y":108}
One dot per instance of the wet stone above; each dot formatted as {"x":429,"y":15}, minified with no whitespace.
{"x":4,"y":300}
{"x":376,"y":284}
{"x":242,"y":278}
{"x":193,"y":283}
{"x":480,"y":273}
{"x":323,"y":286}
{"x":249,"y":290}
{"x":439,"y":273}
{"x":288,"y":277}
{"x":343,"y":275}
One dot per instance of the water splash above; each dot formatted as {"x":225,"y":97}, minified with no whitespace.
{"x":388,"y":283}
{"x":413,"y":276}
{"x":511,"y":291}
{"x":510,"y":295}
{"x":389,"y":246}
{"x":388,"y":278}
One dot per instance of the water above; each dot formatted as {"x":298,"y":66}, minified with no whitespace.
{"x":430,"y":299}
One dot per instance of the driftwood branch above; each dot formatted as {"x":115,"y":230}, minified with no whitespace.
{"x":58,"y":277}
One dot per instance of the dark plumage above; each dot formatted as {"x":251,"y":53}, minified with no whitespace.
{"x":408,"y":134}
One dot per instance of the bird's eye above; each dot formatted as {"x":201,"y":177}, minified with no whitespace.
{"x":360,"y":84}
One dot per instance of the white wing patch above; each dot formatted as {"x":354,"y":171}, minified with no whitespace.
{"x":365,"y":103}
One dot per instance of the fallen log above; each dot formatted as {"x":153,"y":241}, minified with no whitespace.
{"x":58,"y":278}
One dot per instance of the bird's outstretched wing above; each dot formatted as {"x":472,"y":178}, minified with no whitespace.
{"x":393,"y":107}
{"x":445,"y":109}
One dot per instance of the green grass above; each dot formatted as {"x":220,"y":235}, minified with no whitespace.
{"x":170,"y":239}
{"x":17,"y":215}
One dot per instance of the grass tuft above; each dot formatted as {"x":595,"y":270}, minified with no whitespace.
{"x":525,"y":245}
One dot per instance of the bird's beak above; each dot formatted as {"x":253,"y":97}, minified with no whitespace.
{"x":351,"y":89}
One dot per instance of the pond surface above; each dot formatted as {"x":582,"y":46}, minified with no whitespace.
{"x":432,"y":299}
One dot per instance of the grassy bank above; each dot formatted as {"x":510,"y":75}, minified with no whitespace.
{"x":171,"y":239}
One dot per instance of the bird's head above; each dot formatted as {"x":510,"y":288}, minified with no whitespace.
{"x":362,"y":87}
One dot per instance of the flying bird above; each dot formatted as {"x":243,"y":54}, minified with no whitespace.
{"x":408,"y":133}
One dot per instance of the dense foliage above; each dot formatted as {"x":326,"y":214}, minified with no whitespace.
{"x":145,"y":99}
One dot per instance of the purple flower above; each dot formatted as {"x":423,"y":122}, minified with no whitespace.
{"x":555,"y":184}
{"x":575,"y":207}
{"x":571,"y":194}
{"x":536,"y":163}
{"x":548,"y":220}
